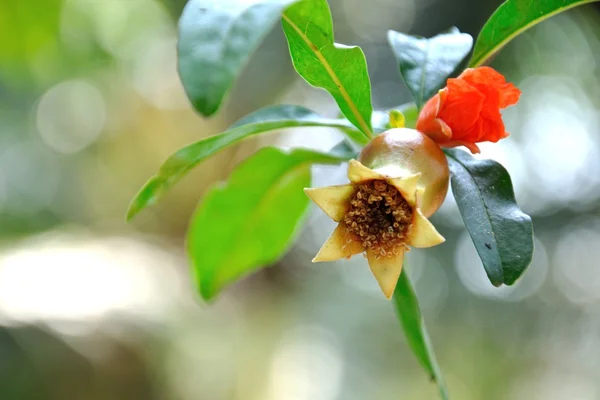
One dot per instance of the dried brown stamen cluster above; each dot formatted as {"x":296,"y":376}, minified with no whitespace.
{"x":379,"y":216}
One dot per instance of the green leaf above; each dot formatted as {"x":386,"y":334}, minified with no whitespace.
{"x":341,"y":70}
{"x":501,"y":232}
{"x":250,"y":221}
{"x":186,"y":158}
{"x":425,"y":64}
{"x":409,"y":314}
{"x":512,"y":18}
{"x":216,"y":38}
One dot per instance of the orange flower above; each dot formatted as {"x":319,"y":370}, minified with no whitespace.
{"x":467,"y":110}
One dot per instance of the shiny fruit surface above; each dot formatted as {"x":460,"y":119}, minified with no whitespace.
{"x":401,"y":152}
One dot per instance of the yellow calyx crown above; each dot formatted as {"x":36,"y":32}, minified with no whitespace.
{"x":383,"y":221}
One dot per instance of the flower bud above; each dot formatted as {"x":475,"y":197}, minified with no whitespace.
{"x":467,"y":110}
{"x":405,"y":152}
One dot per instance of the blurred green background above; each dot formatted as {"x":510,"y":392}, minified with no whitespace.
{"x":93,"y":308}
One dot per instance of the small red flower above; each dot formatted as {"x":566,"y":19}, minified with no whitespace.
{"x":467,"y":110}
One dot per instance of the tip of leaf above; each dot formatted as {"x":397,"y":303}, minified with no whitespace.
{"x":131,"y":212}
{"x":207,"y":297}
{"x":145,"y":197}
{"x":135,"y":206}
{"x":207,"y":110}
{"x":208,"y":291}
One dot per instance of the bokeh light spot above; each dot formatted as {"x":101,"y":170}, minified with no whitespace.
{"x":70,"y":116}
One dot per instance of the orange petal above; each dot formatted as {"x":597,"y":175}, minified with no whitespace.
{"x":486,"y":77}
{"x":332,"y":199}
{"x":422,"y":233}
{"x":483,"y":76}
{"x":386,"y":270}
{"x":429,"y":123}
{"x":462,"y":107}
{"x":446,"y":130}
{"x":485,"y":129}
{"x":509,"y":95}
{"x":473,"y":134}
{"x":341,"y":244}
{"x":473,"y":148}
{"x":358,"y":173}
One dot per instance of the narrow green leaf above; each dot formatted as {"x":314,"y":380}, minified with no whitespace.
{"x":409,"y":314}
{"x":511,"y":19}
{"x":186,"y":158}
{"x":250,"y":221}
{"x":216,"y":38}
{"x":425,"y":64}
{"x":290,"y":112}
{"x":341,"y":70}
{"x":501,"y":232}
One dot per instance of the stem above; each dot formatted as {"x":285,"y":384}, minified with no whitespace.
{"x":409,"y":315}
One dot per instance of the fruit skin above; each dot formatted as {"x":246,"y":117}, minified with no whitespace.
{"x":403,"y":151}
